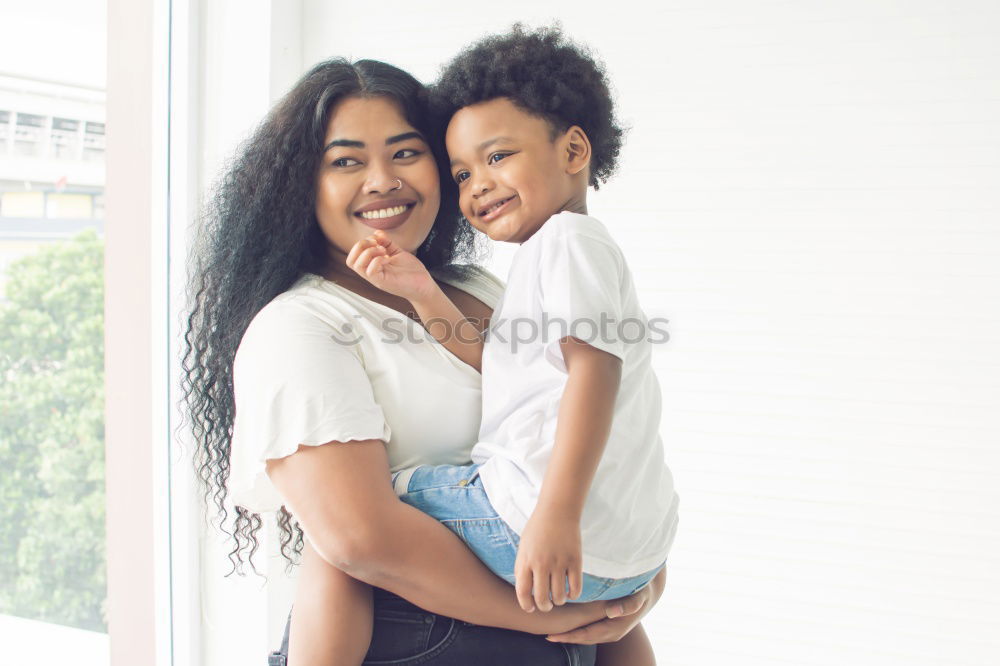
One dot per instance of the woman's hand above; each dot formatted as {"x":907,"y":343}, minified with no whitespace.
{"x":391,"y":268}
{"x":623,"y":616}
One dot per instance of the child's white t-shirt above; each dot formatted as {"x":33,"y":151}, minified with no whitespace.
{"x":570,"y":278}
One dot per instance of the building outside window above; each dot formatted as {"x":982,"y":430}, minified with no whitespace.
{"x":52,"y":511}
{"x":29,"y":134}
{"x":4,"y":132}
{"x":93,"y":142}
{"x":65,"y":138}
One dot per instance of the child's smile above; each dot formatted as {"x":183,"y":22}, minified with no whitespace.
{"x":511,"y":169}
{"x":493,"y":209}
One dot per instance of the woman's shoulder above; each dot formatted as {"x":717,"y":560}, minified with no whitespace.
{"x":310,"y":295}
{"x":305,"y":307}
{"x":473,"y":279}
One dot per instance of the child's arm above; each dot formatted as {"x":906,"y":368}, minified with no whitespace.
{"x":332,"y":615}
{"x":550,"y":548}
{"x":396,"y":271}
{"x":449,"y":326}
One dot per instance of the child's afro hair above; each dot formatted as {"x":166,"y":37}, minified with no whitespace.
{"x":545,"y":74}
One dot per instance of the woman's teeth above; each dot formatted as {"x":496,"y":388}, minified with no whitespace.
{"x":383,"y":212}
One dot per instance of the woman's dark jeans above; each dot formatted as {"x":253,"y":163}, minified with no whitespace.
{"x":405,"y":635}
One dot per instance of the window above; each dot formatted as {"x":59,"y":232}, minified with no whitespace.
{"x":4,"y":131}
{"x":68,"y":206}
{"x":53,"y":591}
{"x":22,"y":204}
{"x":29,"y":134}
{"x":93,"y":142}
{"x":65,"y":138}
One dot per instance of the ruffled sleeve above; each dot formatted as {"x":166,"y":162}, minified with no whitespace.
{"x":297,"y":381}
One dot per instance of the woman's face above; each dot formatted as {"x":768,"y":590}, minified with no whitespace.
{"x":376,"y":172}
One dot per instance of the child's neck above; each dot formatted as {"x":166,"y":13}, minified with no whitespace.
{"x":576,"y":204}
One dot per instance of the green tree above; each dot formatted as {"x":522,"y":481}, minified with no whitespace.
{"x":52,"y":558}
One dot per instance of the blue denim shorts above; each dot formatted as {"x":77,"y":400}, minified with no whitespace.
{"x":454,"y":495}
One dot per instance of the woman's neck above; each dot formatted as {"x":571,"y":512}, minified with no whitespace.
{"x":337,"y":271}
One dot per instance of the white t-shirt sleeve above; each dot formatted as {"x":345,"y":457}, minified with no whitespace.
{"x":294,"y":383}
{"x":580,"y":279}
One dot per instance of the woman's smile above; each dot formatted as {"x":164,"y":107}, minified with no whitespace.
{"x":387,"y":214}
{"x":378,"y":172}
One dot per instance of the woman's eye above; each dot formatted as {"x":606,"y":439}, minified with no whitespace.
{"x":461,"y":176}
{"x":406,"y":152}
{"x":496,"y":157}
{"x":344,"y":162}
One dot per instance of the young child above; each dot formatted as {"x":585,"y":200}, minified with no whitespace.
{"x":568,"y":497}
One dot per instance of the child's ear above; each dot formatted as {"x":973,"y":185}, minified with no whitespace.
{"x":577,"y":147}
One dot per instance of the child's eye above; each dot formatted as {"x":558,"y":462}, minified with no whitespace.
{"x":461,"y":176}
{"x":344,"y":162}
{"x":407,"y":152}
{"x":496,"y":157}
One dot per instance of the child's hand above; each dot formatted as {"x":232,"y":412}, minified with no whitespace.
{"x":549,"y":553}
{"x":390,"y":268}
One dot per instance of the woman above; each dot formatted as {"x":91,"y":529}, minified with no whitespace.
{"x":334,"y":383}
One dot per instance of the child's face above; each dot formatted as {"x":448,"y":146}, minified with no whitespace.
{"x":512,"y":176}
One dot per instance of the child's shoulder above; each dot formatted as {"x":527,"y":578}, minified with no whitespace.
{"x":580,"y":243}
{"x":578,"y":229}
{"x":576,"y":224}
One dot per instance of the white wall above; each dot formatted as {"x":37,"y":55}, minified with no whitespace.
{"x":809,"y":194}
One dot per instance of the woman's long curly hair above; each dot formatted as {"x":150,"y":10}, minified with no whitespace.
{"x":259,"y":235}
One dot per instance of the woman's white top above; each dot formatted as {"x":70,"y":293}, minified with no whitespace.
{"x":320,"y":363}
{"x":570,"y":278}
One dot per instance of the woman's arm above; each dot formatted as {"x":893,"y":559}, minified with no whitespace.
{"x":331,"y":616}
{"x":341,"y":495}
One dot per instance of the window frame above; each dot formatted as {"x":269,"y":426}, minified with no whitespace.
{"x":137,"y":415}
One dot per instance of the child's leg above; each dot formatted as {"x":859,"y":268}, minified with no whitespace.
{"x":632,"y":650}
{"x":454,"y":495}
{"x":331,"y":618}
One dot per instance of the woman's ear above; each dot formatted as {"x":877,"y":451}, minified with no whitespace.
{"x":577,"y":147}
